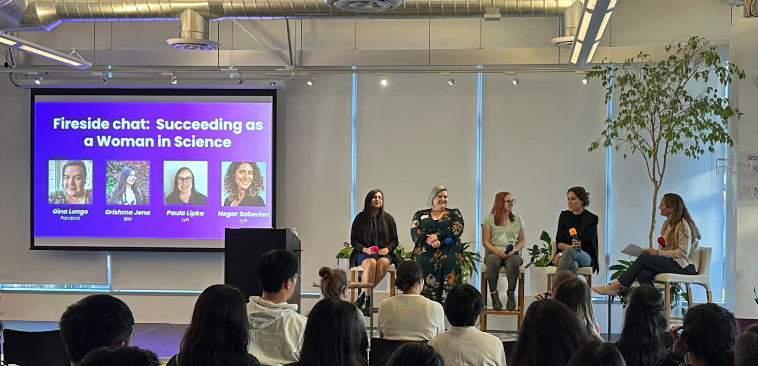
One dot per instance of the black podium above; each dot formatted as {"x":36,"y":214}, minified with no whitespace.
{"x":242,"y":249}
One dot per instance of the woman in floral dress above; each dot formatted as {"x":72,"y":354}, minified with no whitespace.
{"x":436,"y":233}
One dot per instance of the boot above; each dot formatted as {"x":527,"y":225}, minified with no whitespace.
{"x":360,"y":301}
{"x":496,"y":304}
{"x":510,"y":305}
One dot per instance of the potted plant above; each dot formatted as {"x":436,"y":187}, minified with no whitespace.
{"x":659,"y":112}
{"x":540,"y":259}
{"x":676,"y":290}
{"x":469,"y":262}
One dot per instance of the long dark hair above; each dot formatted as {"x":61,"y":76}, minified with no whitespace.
{"x":332,"y":335}
{"x":230,"y":184}
{"x":746,"y":351}
{"x":550,"y":334}
{"x":680,"y":213}
{"x":598,"y":354}
{"x":120,"y":188}
{"x":175,"y":192}
{"x":644,"y":338}
{"x":710,"y":332}
{"x":576,"y":295}
{"x":367,"y":234}
{"x":218,"y":330}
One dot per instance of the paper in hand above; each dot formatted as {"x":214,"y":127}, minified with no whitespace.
{"x":633,"y":250}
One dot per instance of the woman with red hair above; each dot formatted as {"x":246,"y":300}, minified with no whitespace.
{"x":503,"y":238}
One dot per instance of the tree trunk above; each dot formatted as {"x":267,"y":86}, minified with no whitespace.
{"x":656,"y":186}
{"x":751,"y":9}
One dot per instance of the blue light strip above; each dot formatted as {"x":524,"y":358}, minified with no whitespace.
{"x":189,"y":292}
{"x":478,"y":167}
{"x":354,"y":144}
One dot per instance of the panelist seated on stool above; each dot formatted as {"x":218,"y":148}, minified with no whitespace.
{"x":576,"y":238}
{"x":373,"y":236}
{"x":518,"y":311}
{"x":503,"y":239}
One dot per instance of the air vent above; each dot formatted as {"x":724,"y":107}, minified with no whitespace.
{"x":364,"y":5}
{"x":191,"y":44}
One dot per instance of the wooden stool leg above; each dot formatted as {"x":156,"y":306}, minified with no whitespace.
{"x":689,"y":297}
{"x":667,"y":302}
{"x":549,"y":283}
{"x":520,"y":302}
{"x":589,"y":280}
{"x":710,"y":296}
{"x":352,"y":291}
{"x":392,"y":283}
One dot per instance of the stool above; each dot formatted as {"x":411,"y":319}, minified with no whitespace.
{"x":582,"y":271}
{"x":390,"y":272}
{"x":486,"y":294}
{"x":702,"y":278}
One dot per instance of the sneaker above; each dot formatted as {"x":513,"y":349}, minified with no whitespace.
{"x":496,"y":304}
{"x":510,"y":305}
{"x":361,"y":300}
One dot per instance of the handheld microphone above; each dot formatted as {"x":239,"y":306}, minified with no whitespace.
{"x":448,"y":241}
{"x":509,"y":248}
{"x":661,"y":241}
{"x":374,"y":249}
{"x":572,"y":231}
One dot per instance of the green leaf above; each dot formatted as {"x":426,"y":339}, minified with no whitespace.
{"x":618,"y":267}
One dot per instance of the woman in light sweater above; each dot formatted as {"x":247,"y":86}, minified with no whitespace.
{"x":463,"y":344}
{"x":410,"y":316}
{"x":678,"y":252}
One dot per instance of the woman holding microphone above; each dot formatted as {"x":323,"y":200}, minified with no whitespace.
{"x":503,"y":238}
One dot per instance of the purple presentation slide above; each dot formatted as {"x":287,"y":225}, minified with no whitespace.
{"x":173,"y":170}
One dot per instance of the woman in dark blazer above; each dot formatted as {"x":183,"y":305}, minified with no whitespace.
{"x":577,"y":249}
{"x":374,"y":239}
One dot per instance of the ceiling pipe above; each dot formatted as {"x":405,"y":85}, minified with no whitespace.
{"x":33,"y":15}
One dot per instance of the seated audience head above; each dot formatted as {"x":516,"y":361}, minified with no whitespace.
{"x":218,"y":329}
{"x":710,"y":333}
{"x":597,"y":354}
{"x":550,"y":334}
{"x":560,"y":277}
{"x":120,"y":356}
{"x":93,"y":322}
{"x":408,"y":275}
{"x":746,"y":351}
{"x":463,"y":305}
{"x":576,"y":295}
{"x":333,"y":282}
{"x":332,"y":335}
{"x":415,"y":354}
{"x":277,"y":272}
{"x":644,"y":337}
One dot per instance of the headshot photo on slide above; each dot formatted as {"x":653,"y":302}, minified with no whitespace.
{"x":243,"y":183}
{"x":69,"y":182}
{"x":185,"y":182}
{"x":128,"y":182}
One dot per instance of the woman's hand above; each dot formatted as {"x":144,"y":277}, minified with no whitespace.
{"x":556,"y":258}
{"x":650,"y":251}
{"x":383,"y":251}
{"x":430,"y":238}
{"x":679,"y":349}
{"x":435,"y":244}
{"x":367,"y":251}
{"x":502,"y":255}
{"x":576,"y":244}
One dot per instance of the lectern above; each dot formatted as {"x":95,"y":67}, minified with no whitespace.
{"x":241,"y":252}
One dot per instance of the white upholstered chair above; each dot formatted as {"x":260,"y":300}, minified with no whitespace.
{"x":702,"y":278}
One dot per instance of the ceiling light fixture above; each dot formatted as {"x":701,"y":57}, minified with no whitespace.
{"x":48,"y":53}
{"x":451,"y":81}
{"x":38,"y":81}
{"x":104,"y":80}
{"x":173,"y":79}
{"x":240,"y":81}
{"x":585,"y":80}
{"x":272,"y":83}
{"x":310,"y":82}
{"x":595,"y":17}
{"x":516,"y":80}
{"x":384,"y":82}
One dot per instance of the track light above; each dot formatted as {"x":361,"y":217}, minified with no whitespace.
{"x":585,"y":80}
{"x":104,"y":80}
{"x":310,"y":82}
{"x":451,"y":81}
{"x":38,"y":81}
{"x":384,"y":82}
{"x":272,"y":83}
{"x":73,"y":60}
{"x":240,"y":81}
{"x":173,"y":79}
{"x":516,"y":80}
{"x":594,"y":19}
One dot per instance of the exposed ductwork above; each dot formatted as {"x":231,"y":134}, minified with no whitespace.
{"x":32,"y":15}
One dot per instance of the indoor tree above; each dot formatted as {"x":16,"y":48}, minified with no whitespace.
{"x":661,"y":110}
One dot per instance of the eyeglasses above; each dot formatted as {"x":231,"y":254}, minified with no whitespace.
{"x":510,"y":201}
{"x":181,"y":180}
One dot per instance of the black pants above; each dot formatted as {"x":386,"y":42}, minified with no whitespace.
{"x":646,"y":266}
